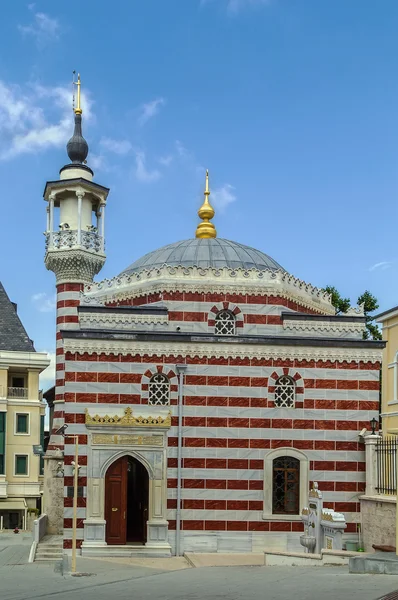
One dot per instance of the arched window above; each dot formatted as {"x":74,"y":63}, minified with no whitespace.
{"x":159,"y":389}
{"x":285,"y":486}
{"x":225,"y":323}
{"x":284,"y":392}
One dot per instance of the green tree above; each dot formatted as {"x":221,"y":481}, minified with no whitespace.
{"x":341,"y":304}
{"x":370,"y":304}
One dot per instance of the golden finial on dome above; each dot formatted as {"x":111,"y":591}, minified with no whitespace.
{"x":77,"y":109}
{"x":205,"y":229}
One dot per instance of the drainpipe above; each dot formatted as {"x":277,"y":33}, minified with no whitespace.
{"x":180,"y":370}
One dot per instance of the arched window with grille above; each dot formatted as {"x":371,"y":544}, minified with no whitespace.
{"x":225,"y":323}
{"x":285,"y":486}
{"x":159,"y":390}
{"x":285,"y":389}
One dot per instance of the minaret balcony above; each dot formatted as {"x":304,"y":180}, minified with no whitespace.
{"x":69,"y":238}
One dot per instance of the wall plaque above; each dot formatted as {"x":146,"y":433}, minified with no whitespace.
{"x":126,"y":440}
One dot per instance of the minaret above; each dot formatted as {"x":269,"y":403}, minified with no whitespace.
{"x":205,"y":229}
{"x":75,"y":248}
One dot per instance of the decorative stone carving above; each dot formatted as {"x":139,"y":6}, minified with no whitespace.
{"x":128,"y":420}
{"x":124,"y":347}
{"x":355,"y":311}
{"x":228,"y":281}
{"x":120,"y":321}
{"x":79,"y":266}
{"x":324,"y":326}
{"x":323,"y":527}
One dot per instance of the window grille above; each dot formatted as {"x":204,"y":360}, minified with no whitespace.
{"x":159,"y":389}
{"x":284,"y":392}
{"x":286,"y":486}
{"x":225,"y":323}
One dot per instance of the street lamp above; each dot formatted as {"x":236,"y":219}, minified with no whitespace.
{"x":61,"y":431}
{"x":373,"y":424}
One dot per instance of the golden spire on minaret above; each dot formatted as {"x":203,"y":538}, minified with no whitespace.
{"x":205,"y":229}
{"x":77,"y":108}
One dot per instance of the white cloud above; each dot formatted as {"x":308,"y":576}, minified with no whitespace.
{"x":141,"y":172}
{"x":43,"y":29}
{"x":44,"y":302}
{"x":47,"y":377}
{"x":98,"y":161}
{"x":149,"y":110}
{"x":235,"y":6}
{"x":181,"y":150}
{"x":24,"y":123}
{"x":223,"y":196}
{"x":166,"y":160}
{"x":383,"y":265}
{"x":117,"y":146}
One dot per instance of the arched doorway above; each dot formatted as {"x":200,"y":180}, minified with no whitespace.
{"x":126,"y":501}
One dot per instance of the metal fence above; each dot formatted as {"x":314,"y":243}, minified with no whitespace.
{"x":386,"y":465}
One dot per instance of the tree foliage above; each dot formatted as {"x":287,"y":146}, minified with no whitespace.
{"x":370,"y":304}
{"x":341,"y":304}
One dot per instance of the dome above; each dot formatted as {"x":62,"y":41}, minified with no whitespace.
{"x":206,"y":253}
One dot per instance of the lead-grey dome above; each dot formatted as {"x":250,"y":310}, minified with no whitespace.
{"x":212,"y":252}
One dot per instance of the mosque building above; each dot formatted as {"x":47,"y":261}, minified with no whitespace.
{"x":207,"y":387}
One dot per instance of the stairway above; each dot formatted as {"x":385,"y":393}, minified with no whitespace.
{"x":50,"y":549}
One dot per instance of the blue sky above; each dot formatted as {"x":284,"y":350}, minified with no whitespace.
{"x":291,"y":104}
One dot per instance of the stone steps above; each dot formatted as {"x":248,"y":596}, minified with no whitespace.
{"x":49,"y":549}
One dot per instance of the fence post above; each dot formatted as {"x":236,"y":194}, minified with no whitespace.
{"x":371,"y":466}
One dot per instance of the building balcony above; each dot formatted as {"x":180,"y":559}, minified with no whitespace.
{"x":18,"y":392}
{"x":68,"y":238}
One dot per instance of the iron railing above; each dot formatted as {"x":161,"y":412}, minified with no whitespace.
{"x":386,"y":465}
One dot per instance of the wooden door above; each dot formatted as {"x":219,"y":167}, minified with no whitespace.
{"x":145,"y":504}
{"x":116,"y":502}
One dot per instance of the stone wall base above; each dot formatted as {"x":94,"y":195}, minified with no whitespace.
{"x":378,"y":521}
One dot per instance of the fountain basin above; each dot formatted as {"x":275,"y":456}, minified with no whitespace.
{"x":309,"y":542}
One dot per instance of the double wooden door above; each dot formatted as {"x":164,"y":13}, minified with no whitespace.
{"x":126,"y":501}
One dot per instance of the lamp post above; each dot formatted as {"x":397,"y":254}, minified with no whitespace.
{"x":75,"y":489}
{"x":373,"y":425}
{"x":61,"y":431}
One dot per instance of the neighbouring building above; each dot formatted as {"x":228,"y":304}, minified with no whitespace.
{"x":389,"y":402}
{"x":378,"y":504}
{"x":207,"y":386}
{"x":22,"y":412}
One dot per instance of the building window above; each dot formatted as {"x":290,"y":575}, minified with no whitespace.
{"x":225,"y":323}
{"x":2,"y":442}
{"x":159,"y":389}
{"x":285,"y":485}
{"x":21,"y":464}
{"x":18,"y":381}
{"x":284,"y":392}
{"x":22,"y":423}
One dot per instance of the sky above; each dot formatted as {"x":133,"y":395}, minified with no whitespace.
{"x":292,"y":105}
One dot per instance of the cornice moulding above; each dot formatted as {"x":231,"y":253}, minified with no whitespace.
{"x":112,"y":319}
{"x":125,"y":347}
{"x":324,"y":327}
{"x":169,"y":279}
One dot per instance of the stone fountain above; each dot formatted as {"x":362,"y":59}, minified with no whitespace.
{"x":323,"y":527}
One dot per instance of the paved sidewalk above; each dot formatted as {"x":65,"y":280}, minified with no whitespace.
{"x":216,"y":559}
